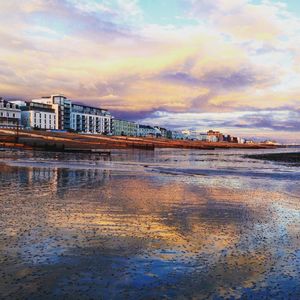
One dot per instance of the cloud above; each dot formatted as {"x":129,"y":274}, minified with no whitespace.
{"x":275,"y":120}
{"x":241,"y":19}
{"x":222,"y":78}
{"x":278,"y":124}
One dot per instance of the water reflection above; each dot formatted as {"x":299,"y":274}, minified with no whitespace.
{"x":104,"y":233}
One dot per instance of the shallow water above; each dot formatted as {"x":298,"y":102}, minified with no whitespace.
{"x":173,"y":224}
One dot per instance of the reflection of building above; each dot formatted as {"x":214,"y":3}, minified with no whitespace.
{"x":62,"y":107}
{"x":56,"y":180}
{"x":90,"y":119}
{"x":37,"y":115}
{"x":10,"y":114}
{"x":126,"y":128}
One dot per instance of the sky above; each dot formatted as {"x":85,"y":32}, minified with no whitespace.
{"x":229,"y":65}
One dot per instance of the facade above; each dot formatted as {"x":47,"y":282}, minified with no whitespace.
{"x":10,"y":114}
{"x":195,"y":135}
{"x":227,"y":138}
{"x":90,"y":119}
{"x":231,"y":139}
{"x":169,"y":134}
{"x":215,"y":136}
{"x":249,"y":142}
{"x":146,"y":130}
{"x":62,"y":107}
{"x":38,"y":116}
{"x":202,"y":136}
{"x":186,"y":133}
{"x":125,"y":128}
{"x":212,"y":138}
{"x":178,"y":135}
{"x":162,"y":132}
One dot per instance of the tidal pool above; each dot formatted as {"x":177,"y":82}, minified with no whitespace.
{"x":168,"y":224}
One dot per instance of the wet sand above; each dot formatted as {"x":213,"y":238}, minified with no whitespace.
{"x":72,"y":227}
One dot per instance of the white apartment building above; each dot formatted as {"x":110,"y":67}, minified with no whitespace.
{"x":37,"y":115}
{"x":62,"y":108}
{"x":39,"y":119}
{"x":58,"y":112}
{"x":10,"y":115}
{"x":89,"y":119}
{"x":195,"y":135}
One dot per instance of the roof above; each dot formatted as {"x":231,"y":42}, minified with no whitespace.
{"x":5,"y":102}
{"x":146,"y":127}
{"x":87,"y":106}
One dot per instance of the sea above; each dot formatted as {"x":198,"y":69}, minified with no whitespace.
{"x":163,"y":224}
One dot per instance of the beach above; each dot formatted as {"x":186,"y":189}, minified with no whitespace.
{"x":162,"y":224}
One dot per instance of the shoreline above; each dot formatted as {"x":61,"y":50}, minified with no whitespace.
{"x":75,"y":142}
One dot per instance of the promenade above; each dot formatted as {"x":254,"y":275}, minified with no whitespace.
{"x":61,"y":141}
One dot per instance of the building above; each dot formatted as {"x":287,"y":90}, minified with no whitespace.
{"x":178,"y":135}
{"x":186,"y":133}
{"x":62,"y":108}
{"x":146,"y":130}
{"x":161,"y":132}
{"x":215,"y":136}
{"x":202,"y":136}
{"x":169,"y":134}
{"x":125,"y":128}
{"x":195,"y":135}
{"x":90,"y":119}
{"x":226,"y":138}
{"x":249,"y":142}
{"x":10,"y":115}
{"x":37,"y":115}
{"x":212,"y":138}
{"x":241,"y":140}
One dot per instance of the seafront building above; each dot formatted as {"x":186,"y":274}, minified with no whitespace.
{"x":62,"y":107}
{"x":178,"y":135}
{"x":10,"y":115}
{"x":195,"y":135}
{"x":125,"y":128}
{"x":89,"y":119}
{"x":162,"y":132}
{"x":215,"y":136}
{"x":57,"y":112}
{"x":36,"y":115}
{"x":77,"y":117}
{"x":211,"y":136}
{"x":146,"y":130}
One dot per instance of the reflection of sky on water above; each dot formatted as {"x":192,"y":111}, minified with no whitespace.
{"x":130,"y":230}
